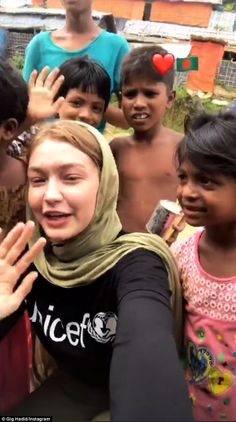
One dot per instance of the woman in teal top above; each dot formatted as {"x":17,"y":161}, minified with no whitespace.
{"x":79,"y":37}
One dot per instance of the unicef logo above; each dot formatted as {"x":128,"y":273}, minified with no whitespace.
{"x":103,"y":327}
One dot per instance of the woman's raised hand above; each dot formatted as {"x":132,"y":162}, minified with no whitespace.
{"x":13,"y":264}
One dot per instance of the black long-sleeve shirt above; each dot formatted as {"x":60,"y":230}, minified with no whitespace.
{"x":117,"y":331}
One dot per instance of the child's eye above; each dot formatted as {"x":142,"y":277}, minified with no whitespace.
{"x":98,"y":109}
{"x":206,"y":182}
{"x":151,"y":94}
{"x":129,"y":94}
{"x":182,"y":177}
{"x":76,"y":103}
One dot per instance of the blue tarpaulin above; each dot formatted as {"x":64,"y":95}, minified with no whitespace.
{"x":3,"y":42}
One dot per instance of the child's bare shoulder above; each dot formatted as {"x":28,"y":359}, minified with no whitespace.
{"x":120,"y":143}
{"x":172,"y":136}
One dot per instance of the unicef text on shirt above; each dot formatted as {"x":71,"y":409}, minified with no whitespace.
{"x":102,"y":327}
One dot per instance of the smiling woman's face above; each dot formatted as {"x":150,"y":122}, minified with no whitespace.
{"x":63,"y":187}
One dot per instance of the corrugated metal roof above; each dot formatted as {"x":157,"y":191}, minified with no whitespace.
{"x":222,"y":21}
{"x":203,"y":1}
{"x":24,"y":20}
{"x":38,"y":18}
{"x":171,"y":31}
{"x":15,"y":3}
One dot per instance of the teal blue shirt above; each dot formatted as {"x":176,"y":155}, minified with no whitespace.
{"x":108,"y":49}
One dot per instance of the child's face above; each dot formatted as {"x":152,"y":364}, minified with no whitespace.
{"x":206,"y":199}
{"x":144,"y":103}
{"x":84,"y":106}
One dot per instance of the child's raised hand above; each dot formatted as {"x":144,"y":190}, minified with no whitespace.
{"x":43,"y":87}
{"x":13,"y":264}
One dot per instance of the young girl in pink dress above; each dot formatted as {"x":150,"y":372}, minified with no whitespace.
{"x":207,"y":264}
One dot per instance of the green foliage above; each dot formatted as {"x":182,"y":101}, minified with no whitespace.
{"x":18,"y":61}
{"x":185,"y":105}
{"x":230,"y":7}
{"x":212,"y":108}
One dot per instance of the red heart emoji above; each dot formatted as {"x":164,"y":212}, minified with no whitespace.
{"x":163,"y":63}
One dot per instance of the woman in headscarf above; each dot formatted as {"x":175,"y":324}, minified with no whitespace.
{"x":103,"y":302}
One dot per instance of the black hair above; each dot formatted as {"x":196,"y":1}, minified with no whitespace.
{"x":210,"y":143}
{"x":13,"y":93}
{"x":139,"y":63}
{"x":88,"y":76}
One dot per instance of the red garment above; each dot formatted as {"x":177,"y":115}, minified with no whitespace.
{"x":209,"y":56}
{"x":14,"y":366}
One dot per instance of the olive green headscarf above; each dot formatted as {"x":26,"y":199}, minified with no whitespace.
{"x":97,"y":249}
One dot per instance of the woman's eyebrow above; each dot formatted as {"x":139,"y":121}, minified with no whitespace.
{"x":63,"y":166}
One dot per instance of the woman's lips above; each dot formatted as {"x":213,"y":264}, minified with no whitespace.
{"x":56,"y":219}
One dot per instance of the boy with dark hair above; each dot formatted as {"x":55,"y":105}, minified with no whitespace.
{"x":20,"y":107}
{"x":13,"y":110}
{"x":14,"y":367}
{"x":78,"y":90}
{"x":145,"y":160}
{"x":80,"y":36}
{"x":140,"y":62}
{"x":13,"y":91}
{"x":16,"y":112}
{"x":86,"y":91}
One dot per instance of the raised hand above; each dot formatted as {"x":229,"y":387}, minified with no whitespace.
{"x":13,"y":265}
{"x":43,"y":87}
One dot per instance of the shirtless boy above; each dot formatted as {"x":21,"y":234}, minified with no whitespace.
{"x":145,"y":160}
